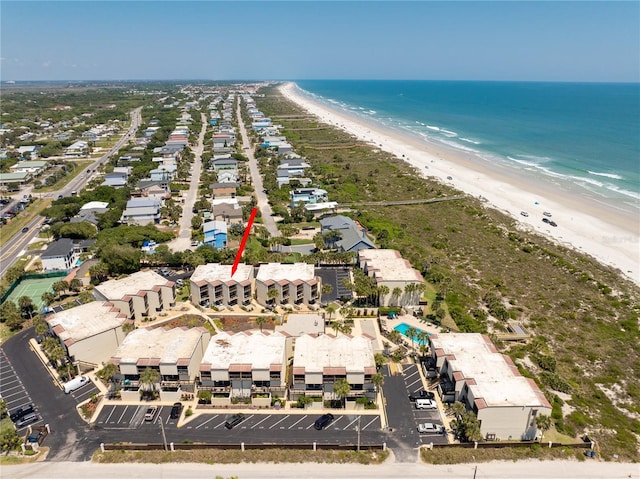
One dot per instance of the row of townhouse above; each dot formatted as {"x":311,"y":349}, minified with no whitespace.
{"x":274,"y":284}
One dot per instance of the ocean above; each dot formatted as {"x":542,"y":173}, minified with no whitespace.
{"x":582,"y":136}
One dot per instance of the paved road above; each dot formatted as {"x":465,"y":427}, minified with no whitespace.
{"x":256,"y":179}
{"x":183,"y":241}
{"x":14,"y":248}
{"x":493,"y":470}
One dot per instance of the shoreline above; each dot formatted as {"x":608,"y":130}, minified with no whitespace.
{"x":609,"y":235}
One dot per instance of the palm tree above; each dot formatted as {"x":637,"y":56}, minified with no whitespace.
{"x":377,"y":379}
{"x":382,"y":291}
{"x":57,"y":353}
{"x":342,"y":388}
{"x":396,"y":293}
{"x":75,"y":285}
{"x":260,"y":320}
{"x":543,"y":422}
{"x":326,"y":289}
{"x":41,"y":326}
{"x":411,"y":333}
{"x":107,"y":372}
{"x":60,"y":286}
{"x":272,"y":294}
{"x":395,"y":336}
{"x":26,"y":305}
{"x":48,"y":297}
{"x":330,"y":309}
{"x":423,"y":339}
{"x":149,"y":377}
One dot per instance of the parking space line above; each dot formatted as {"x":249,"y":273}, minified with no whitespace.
{"x":302,"y":418}
{"x":113,"y":409}
{"x":210,"y":419}
{"x":259,"y":422}
{"x":369,"y":423}
{"x":271,"y":427}
{"x":122,"y":415}
{"x":345,"y":428}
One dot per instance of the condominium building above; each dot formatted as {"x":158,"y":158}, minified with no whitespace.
{"x":473,"y":372}
{"x":401,"y":284}
{"x":319,"y":361}
{"x":246,"y":365}
{"x":213,"y":285}
{"x":139,"y":295}
{"x":90,"y":333}
{"x":174,"y":353}
{"x":278,"y":283}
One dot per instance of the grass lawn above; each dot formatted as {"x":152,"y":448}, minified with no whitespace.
{"x":62,"y":182}
{"x":22,"y":219}
{"x":299,"y":241}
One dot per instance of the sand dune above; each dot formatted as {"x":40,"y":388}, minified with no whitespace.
{"x":609,"y":235}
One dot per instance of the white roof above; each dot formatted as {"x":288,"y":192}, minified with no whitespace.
{"x":219,"y":201}
{"x":221,"y":272}
{"x":93,"y":205}
{"x":325,"y":351}
{"x":288,"y":272}
{"x":388,"y":265}
{"x":168,"y":345}
{"x":131,"y":285}
{"x":497,"y":382}
{"x":215,"y":225}
{"x":86,"y":320}
{"x":258,"y":349}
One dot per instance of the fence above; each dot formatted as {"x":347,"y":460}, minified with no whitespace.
{"x":53,"y":274}
{"x":242,"y":446}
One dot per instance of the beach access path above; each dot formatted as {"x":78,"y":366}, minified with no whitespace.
{"x":609,"y":235}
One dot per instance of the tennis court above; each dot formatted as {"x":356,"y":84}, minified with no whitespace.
{"x":33,"y":288}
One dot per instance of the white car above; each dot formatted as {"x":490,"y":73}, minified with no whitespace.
{"x":524,"y":213}
{"x":426,"y":404}
{"x":429,"y":427}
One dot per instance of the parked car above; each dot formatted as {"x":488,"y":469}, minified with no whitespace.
{"x":28,"y":419}
{"x":422,"y":394}
{"x":426,"y":404}
{"x":553,"y":223}
{"x":524,"y":213}
{"x":323,"y":421}
{"x":151,"y":413}
{"x":75,"y":383}
{"x":233,"y":420}
{"x":546,"y":220}
{"x":547,"y":214}
{"x":20,"y":413}
{"x":176,"y":410}
{"x":430,"y":428}
{"x":25,"y":229}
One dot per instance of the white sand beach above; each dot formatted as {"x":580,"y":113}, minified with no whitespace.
{"x":611,"y":236}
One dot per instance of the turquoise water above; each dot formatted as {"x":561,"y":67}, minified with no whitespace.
{"x":402,"y":328}
{"x":581,"y":135}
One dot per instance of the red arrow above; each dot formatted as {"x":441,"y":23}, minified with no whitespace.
{"x":244,"y":241}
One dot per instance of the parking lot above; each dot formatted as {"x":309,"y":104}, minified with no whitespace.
{"x":13,"y":391}
{"x":210,"y":425}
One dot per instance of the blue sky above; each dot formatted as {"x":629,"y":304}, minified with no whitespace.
{"x":537,"y":41}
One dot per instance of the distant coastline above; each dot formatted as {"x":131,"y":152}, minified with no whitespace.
{"x":586,"y":224}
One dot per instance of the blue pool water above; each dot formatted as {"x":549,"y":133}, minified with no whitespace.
{"x":402,"y":328}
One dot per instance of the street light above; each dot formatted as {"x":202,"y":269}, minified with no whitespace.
{"x":358,"y":431}
{"x":164,"y":437}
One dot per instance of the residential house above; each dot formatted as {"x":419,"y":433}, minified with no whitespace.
{"x":59,"y":256}
{"x":307,"y":196}
{"x":347,"y":237}
{"x":224,"y":190}
{"x":231,"y":213}
{"x":77,"y":149}
{"x":215,"y":234}
{"x":141,"y":211}
{"x":32,"y":167}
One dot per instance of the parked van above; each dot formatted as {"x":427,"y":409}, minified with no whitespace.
{"x":75,"y":383}
{"x":426,"y":404}
{"x":28,"y":419}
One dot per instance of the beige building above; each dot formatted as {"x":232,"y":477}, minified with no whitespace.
{"x":389,"y":269}
{"x":213,"y":285}
{"x":175,"y":353}
{"x":90,"y":332}
{"x":246,"y":365}
{"x":487,"y":382}
{"x":139,"y":295}
{"x":319,"y":361}
{"x":293,"y":284}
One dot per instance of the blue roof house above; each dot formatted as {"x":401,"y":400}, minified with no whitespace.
{"x":215,"y":233}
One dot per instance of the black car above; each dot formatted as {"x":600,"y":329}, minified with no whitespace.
{"x":176,"y":410}
{"x":421,"y":395}
{"x":546,"y":220}
{"x":25,"y":229}
{"x":233,"y":420}
{"x":323,"y":421}
{"x":553,"y":223}
{"x":20,"y":413}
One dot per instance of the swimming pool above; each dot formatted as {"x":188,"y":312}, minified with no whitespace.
{"x":402,"y":328}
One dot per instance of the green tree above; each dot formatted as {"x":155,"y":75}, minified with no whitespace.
{"x":40,"y":326}
{"x":377,"y":379}
{"x":395,"y":336}
{"x":149,"y":377}
{"x":60,"y":286}
{"x":48,"y":297}
{"x":326,"y":289}
{"x":196,"y":222}
{"x":9,"y":313}
{"x":260,"y":320}
{"x":272,"y":294}
{"x":342,"y":388}
{"x":380,"y":360}
{"x":26,"y":306}
{"x":330,"y":309}
{"x":75,"y":285}
{"x":3,"y":408}
{"x":396,"y":293}
{"x":99,"y":272}
{"x":543,"y":422}
{"x":107,"y":372}
{"x":382,"y":291}
{"x":9,"y":439}
{"x":57,"y":353}
{"x":121,"y":259}
{"x":411,"y":333}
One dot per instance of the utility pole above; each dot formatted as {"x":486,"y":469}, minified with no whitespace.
{"x":358,"y":430}
{"x":164,"y":437}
